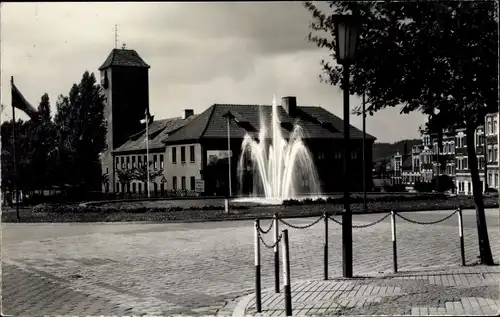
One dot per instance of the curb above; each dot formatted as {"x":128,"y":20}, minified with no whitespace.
{"x":241,"y":307}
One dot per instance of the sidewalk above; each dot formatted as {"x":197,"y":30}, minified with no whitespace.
{"x":470,"y":290}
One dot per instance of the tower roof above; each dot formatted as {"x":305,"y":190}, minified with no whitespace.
{"x":123,"y":57}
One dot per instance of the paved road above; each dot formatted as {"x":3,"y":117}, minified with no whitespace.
{"x":195,"y":268}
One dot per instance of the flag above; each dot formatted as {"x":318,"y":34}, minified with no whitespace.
{"x":19,"y":102}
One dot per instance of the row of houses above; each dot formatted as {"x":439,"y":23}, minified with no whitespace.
{"x":188,"y":155}
{"x":426,"y":160}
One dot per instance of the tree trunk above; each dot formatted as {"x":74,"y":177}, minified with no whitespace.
{"x":482,"y":230}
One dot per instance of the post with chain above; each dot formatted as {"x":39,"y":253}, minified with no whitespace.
{"x":286,"y":274}
{"x":461,"y":235}
{"x":325,"y":250}
{"x":276,"y":255}
{"x":394,"y":244}
{"x":258,"y":304}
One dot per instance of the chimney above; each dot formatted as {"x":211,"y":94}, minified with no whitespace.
{"x":289,"y":104}
{"x":188,"y":113}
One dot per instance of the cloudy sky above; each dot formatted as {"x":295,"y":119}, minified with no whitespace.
{"x":200,"y":54}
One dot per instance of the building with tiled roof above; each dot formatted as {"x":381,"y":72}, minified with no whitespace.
{"x":182,"y":150}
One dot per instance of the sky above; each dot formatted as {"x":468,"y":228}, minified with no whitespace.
{"x":199,"y":53}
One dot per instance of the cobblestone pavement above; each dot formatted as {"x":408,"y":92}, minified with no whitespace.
{"x":461,"y":291}
{"x":196,"y":268}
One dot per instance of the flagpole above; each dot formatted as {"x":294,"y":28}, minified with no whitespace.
{"x":147,"y":150}
{"x":14,"y":152}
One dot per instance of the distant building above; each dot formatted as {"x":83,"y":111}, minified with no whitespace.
{"x":190,"y":152}
{"x":428,"y":160}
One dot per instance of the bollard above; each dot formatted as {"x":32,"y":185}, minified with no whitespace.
{"x":286,"y":274}
{"x":276,"y":256}
{"x":325,"y":250}
{"x":226,"y":206}
{"x":394,"y":247}
{"x":461,"y":235}
{"x":258,"y":304}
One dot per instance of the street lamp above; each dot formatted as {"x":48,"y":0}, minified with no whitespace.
{"x":346,"y":38}
{"x":228,"y":115}
{"x":146,"y":121}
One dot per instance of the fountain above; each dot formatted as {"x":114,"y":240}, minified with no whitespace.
{"x":279,"y":167}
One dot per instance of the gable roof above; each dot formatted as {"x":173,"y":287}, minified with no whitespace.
{"x":317,"y":123}
{"x":123,"y":57}
{"x":158,"y":131}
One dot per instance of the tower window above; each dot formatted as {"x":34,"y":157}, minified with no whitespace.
{"x":174,"y":155}
{"x":161,"y":161}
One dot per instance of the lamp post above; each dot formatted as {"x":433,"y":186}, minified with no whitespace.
{"x":346,"y":35}
{"x":364,"y":154}
{"x":146,"y":121}
{"x":228,"y":115}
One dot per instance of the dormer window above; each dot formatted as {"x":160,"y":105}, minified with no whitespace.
{"x":104,"y":79}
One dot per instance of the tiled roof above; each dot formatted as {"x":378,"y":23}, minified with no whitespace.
{"x":158,"y":131}
{"x":123,"y":57}
{"x":316,"y":122}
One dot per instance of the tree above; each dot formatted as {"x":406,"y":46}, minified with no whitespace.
{"x":44,"y":153}
{"x":81,"y":134}
{"x":125,"y":177}
{"x":141,"y":173}
{"x":434,"y":57}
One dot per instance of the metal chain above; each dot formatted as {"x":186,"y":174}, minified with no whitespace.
{"x":426,"y":223}
{"x":362,"y":226}
{"x":301,"y":227}
{"x":373,"y":223}
{"x":268,"y":229}
{"x":270,"y":246}
{"x":335,"y":220}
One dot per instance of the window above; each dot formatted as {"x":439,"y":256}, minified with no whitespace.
{"x":139,"y":161}
{"x":128,"y":162}
{"x":490,"y":155}
{"x":133,"y":161}
{"x":122,"y":160}
{"x":155,"y":163}
{"x":495,"y":181}
{"x":183,"y":182}
{"x":495,"y":155}
{"x":466,"y":163}
{"x":191,"y":153}
{"x":174,"y":182}
{"x":183,"y":154}
{"x":140,"y":185}
{"x":490,"y":179}
{"x":174,"y":155}
{"x":193,"y":183}
{"x":321,"y":155}
{"x":145,"y":160}
{"x":489,"y":126}
{"x":107,"y":170}
{"x":117,"y":164}
{"x":133,"y":188}
{"x":161,"y":161}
